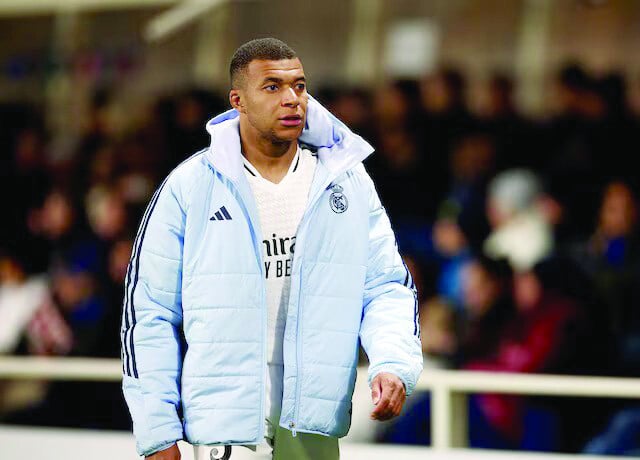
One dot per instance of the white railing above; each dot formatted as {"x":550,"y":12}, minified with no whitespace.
{"x":449,"y":389}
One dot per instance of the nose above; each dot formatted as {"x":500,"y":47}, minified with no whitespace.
{"x":290,"y":98}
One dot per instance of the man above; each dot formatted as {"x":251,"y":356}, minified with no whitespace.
{"x":228,"y":337}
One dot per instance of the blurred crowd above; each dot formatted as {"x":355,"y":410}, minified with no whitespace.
{"x":520,"y":233}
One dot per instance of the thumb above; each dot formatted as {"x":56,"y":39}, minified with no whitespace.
{"x":375,"y":391}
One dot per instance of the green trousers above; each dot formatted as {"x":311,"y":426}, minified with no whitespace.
{"x":304,"y":446}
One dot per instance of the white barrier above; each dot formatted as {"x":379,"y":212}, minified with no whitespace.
{"x":448,"y":388}
{"x":57,"y":444}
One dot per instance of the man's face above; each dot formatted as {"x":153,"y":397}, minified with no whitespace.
{"x":273,"y":96}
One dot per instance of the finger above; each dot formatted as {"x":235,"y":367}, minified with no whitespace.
{"x":397,"y":410}
{"x":393,"y":396}
{"x":393,"y":409}
{"x":381,"y":407}
{"x":400,"y":399}
{"x":376,"y":390}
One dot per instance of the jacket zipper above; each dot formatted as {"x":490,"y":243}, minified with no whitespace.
{"x":293,"y":423}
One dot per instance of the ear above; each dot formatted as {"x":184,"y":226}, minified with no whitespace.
{"x":235,"y":99}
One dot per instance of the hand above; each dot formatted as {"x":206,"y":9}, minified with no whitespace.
{"x":388,"y":394}
{"x":172,"y":453}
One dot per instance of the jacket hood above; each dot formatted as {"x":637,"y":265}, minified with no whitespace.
{"x":339,"y":148}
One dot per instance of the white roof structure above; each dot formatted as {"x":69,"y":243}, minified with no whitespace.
{"x":30,"y":7}
{"x":182,"y":13}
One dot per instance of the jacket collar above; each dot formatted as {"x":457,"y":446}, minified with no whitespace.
{"x":339,"y":149}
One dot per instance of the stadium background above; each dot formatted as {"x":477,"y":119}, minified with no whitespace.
{"x":506,"y":136}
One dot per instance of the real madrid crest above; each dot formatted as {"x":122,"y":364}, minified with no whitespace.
{"x":337,"y":200}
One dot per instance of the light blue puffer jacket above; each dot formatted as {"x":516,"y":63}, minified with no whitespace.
{"x":194,"y":314}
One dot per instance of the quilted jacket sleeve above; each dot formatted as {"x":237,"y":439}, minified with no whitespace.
{"x":389,"y":331}
{"x":151,"y":323}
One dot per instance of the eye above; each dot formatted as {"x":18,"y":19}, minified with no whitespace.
{"x":301,"y":86}
{"x":271,"y":88}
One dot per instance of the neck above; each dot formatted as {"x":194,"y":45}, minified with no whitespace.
{"x":271,"y":158}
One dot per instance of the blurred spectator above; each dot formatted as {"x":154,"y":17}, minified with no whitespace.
{"x":400,"y":170}
{"x":396,"y":106}
{"x":97,"y":132}
{"x":444,"y":94}
{"x":461,"y":224}
{"x":472,"y":164}
{"x":445,"y":119}
{"x":473,"y":329}
{"x":29,"y":178}
{"x":587,"y":143}
{"x":104,"y":166}
{"x":98,"y":128}
{"x":509,"y":130}
{"x":437,"y":326}
{"x":77,"y":292}
{"x":611,"y":257}
{"x":23,"y":185}
{"x":520,"y":231}
{"x":183,"y":124}
{"x":398,"y":166}
{"x":452,"y":245}
{"x":56,"y":219}
{"x":488,"y":308}
{"x":107,"y":213}
{"x":546,"y":318}
{"x":499,"y":103}
{"x":614,"y":136}
{"x":20,"y":298}
{"x":353,"y":107}
{"x":59,"y":226}
{"x":553,"y":209}
{"x":542,"y":337}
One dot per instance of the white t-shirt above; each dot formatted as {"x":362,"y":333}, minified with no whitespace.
{"x":280,"y":209}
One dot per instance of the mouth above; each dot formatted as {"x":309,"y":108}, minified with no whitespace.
{"x":291,"y":120}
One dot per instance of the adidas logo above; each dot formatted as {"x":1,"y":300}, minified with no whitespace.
{"x":221,"y":214}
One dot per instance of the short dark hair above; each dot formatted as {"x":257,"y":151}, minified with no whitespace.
{"x":269,"y":49}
